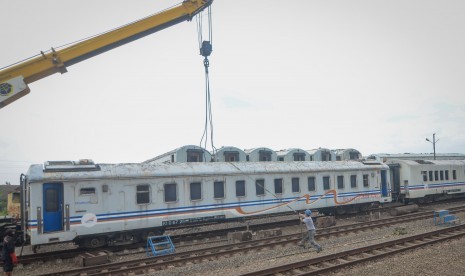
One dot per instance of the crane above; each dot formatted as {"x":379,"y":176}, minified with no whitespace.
{"x":14,"y":79}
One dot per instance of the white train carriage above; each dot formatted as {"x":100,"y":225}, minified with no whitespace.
{"x":427,"y":180}
{"x":98,"y":204}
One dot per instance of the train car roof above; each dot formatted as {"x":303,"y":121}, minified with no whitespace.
{"x":426,"y":162}
{"x":313,"y":151}
{"x":412,"y":156}
{"x":284,"y":152}
{"x":41,"y":173}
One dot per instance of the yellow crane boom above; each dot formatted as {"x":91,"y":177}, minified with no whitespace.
{"x":14,"y":80}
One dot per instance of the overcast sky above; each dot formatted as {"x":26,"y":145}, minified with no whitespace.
{"x":377,"y":76}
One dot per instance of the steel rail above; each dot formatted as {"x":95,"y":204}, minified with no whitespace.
{"x":342,"y":259}
{"x":200,"y":255}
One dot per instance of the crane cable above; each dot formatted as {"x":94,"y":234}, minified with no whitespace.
{"x":206,"y":48}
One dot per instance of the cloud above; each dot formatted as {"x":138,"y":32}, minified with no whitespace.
{"x":3,"y":144}
{"x":235,"y":103}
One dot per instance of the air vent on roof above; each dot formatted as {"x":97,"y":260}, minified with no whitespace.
{"x":69,"y":166}
{"x":369,"y":162}
{"x":59,"y":163}
{"x":423,"y":162}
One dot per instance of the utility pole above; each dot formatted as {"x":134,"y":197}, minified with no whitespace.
{"x":434,"y":144}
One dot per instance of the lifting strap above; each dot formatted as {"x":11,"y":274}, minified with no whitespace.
{"x":206,"y":49}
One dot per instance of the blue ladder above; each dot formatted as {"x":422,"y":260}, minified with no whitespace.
{"x":439,"y":216}
{"x":159,"y":245}
{"x":442,"y":217}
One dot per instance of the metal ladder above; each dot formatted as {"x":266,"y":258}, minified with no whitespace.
{"x":159,"y":245}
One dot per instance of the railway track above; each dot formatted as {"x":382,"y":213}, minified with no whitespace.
{"x":180,"y":240}
{"x":211,"y":236}
{"x":333,"y":262}
{"x":151,"y":265}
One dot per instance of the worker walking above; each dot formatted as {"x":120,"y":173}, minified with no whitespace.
{"x":310,"y":234}
{"x":8,"y":252}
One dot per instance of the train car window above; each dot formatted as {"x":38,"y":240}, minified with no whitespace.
{"x":240,"y":188}
{"x":260,"y":187}
{"x":436,"y":175}
{"x":87,"y":191}
{"x":196,"y":190}
{"x":353,"y":181}
{"x":311,"y":183}
{"x":194,"y":155}
{"x":425,"y":176}
{"x":51,"y":202}
{"x":365,"y":181}
{"x":299,"y":156}
{"x":430,"y":175}
{"x":278,"y":186}
{"x":264,"y":155}
{"x":340,"y":182}
{"x":441,"y":175}
{"x":353,"y":155}
{"x":143,"y":194}
{"x":454,"y":174}
{"x":296,"y":185}
{"x":325,"y":182}
{"x":218,"y":189}
{"x":231,"y":156}
{"x":447,"y":174}
{"x":170,"y":192}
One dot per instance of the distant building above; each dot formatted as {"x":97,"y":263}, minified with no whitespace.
{"x":321,"y":154}
{"x":5,"y":192}
{"x":260,"y":154}
{"x":347,"y":154}
{"x":229,"y":154}
{"x":293,"y":154}
{"x":189,"y":153}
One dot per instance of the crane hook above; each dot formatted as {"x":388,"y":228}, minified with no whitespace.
{"x":206,"y":48}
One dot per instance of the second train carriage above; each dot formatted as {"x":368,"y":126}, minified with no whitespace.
{"x":427,"y":180}
{"x":98,"y":204}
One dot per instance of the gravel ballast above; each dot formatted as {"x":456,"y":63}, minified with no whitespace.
{"x":446,"y":258}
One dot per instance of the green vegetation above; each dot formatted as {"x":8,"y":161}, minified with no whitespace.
{"x":3,"y":205}
{"x":400,"y":231}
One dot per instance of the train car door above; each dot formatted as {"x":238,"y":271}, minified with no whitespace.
{"x":395,"y":180}
{"x":384,"y":189}
{"x":53,"y":207}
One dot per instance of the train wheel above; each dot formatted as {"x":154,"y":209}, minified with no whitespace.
{"x":95,"y":242}
{"x":364,"y":208}
{"x":340,"y":211}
